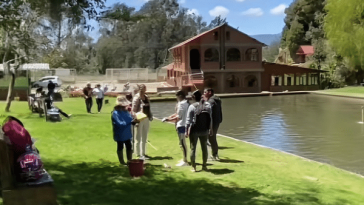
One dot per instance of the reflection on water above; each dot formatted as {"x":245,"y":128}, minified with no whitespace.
{"x":320,"y":128}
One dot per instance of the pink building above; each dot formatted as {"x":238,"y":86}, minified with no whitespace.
{"x":222,"y":58}
{"x":230,"y":61}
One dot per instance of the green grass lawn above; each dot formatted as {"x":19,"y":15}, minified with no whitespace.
{"x":347,"y":91}
{"x":80,"y":154}
{"x":20,"y":82}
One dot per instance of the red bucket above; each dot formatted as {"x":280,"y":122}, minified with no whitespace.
{"x":136,"y":167}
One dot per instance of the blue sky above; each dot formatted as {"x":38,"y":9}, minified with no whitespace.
{"x":250,"y":16}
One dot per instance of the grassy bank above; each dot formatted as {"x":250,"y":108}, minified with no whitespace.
{"x":347,"y":91}
{"x":81,"y":157}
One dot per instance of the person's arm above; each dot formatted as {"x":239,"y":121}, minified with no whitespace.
{"x":135,"y":105}
{"x":211,"y":120}
{"x":120,"y":122}
{"x":189,"y":119}
{"x":85,"y":93}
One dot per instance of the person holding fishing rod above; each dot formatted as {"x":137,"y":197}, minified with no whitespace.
{"x":122,"y":121}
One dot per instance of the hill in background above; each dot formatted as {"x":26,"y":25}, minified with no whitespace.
{"x":268,"y":39}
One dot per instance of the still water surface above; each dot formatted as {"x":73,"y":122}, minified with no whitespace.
{"x":320,"y":128}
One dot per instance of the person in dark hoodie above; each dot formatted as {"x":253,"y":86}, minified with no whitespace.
{"x":215,"y":103}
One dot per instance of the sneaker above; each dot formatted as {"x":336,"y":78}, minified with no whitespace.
{"x":99,"y":112}
{"x":182,"y":164}
{"x":143,"y":158}
{"x":69,"y":116}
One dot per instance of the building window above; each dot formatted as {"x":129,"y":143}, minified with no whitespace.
{"x":211,"y":55}
{"x":233,"y":81}
{"x":276,"y":80}
{"x":228,"y":35}
{"x":288,"y":79}
{"x":233,"y":54}
{"x":301,"y":80}
{"x":216,"y":35}
{"x":251,"y":81}
{"x":210,"y":82}
{"x":251,"y":54}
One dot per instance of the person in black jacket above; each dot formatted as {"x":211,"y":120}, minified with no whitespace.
{"x":51,"y":87}
{"x":215,"y":103}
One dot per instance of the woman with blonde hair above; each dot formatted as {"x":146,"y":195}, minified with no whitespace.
{"x":141,"y":103}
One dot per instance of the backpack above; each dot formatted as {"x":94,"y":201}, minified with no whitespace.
{"x":17,"y":134}
{"x":29,"y":166}
{"x":202,"y":118}
{"x":53,"y":115}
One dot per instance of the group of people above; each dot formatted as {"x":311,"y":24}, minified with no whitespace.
{"x":197,"y":117}
{"x":90,"y":92}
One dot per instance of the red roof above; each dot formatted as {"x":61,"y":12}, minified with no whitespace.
{"x":306,"y":50}
{"x":202,"y":34}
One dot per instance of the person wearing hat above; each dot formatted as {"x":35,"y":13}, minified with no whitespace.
{"x":121,"y":122}
{"x":99,"y":96}
{"x":87,"y":91}
{"x":198,"y":127}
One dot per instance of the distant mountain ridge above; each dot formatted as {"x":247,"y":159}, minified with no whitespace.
{"x":268,"y":39}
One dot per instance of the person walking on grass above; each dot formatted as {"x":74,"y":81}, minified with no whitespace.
{"x":141,"y":103}
{"x":215,"y":103}
{"x":51,"y":87}
{"x":99,"y":96}
{"x":180,"y":119}
{"x":87,"y":91}
{"x":121,"y":122}
{"x":198,"y":127}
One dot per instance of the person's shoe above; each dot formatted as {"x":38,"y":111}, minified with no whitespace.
{"x":69,"y":116}
{"x":144,"y":158}
{"x":182,"y":164}
{"x":215,"y":158}
{"x":204,"y":168}
{"x":99,"y":112}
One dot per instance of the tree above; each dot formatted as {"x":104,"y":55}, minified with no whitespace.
{"x":345,"y":32}
{"x":16,"y":20}
{"x":303,"y":24}
{"x":271,"y":52}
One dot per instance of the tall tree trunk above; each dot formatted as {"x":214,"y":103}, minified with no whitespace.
{"x":10,"y":91}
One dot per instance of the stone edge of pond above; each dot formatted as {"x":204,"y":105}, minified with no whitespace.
{"x":335,"y":95}
{"x":283,"y":152}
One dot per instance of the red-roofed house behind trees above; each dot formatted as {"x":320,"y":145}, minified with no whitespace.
{"x":303,"y":53}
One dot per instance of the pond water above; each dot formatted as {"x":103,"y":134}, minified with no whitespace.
{"x":321,"y":128}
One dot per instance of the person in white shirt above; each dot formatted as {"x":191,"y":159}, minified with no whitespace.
{"x":180,"y":119}
{"x":99,"y":96}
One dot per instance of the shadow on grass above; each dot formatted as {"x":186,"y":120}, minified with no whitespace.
{"x":159,"y":158}
{"x":220,"y":171}
{"x":222,"y":148}
{"x":227,"y":160}
{"x":108,"y":183}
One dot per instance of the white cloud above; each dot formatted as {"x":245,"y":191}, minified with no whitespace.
{"x":240,"y":0}
{"x":182,"y":1}
{"x":253,"y":12}
{"x":219,"y":11}
{"x":279,"y":10}
{"x":193,"y":12}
